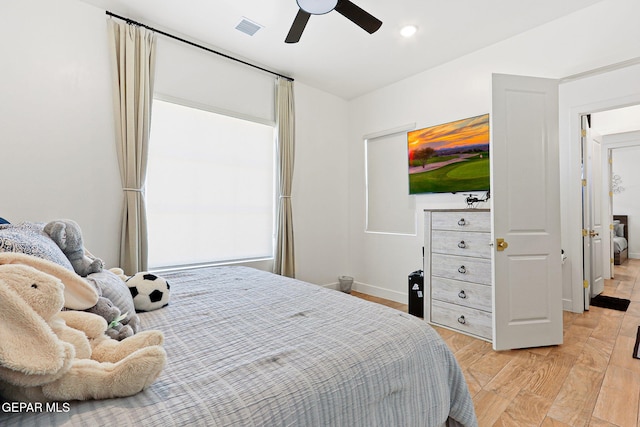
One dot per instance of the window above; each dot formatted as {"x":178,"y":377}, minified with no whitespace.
{"x":390,"y":208}
{"x":210,"y":187}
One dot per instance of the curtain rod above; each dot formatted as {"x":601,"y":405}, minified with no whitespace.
{"x":131,"y":21}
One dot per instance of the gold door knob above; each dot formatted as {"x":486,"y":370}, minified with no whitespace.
{"x":501,"y":245}
{"x":593,"y":233}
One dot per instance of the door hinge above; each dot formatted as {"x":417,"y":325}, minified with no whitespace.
{"x":583,"y":133}
{"x":585,"y":283}
{"x":612,"y":260}
{"x":610,"y":226}
{"x":584,"y":182}
{"x":585,"y":233}
{"x":610,"y":193}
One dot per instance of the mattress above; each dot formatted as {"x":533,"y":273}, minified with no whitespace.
{"x":619,"y":244}
{"x":249,"y":348}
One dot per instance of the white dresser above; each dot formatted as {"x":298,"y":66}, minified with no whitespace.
{"x":457,"y":270}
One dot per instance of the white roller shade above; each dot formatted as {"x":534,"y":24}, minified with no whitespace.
{"x":213,"y":82}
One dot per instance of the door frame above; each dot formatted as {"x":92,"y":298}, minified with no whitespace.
{"x":609,"y":144}
{"x":578,"y":96}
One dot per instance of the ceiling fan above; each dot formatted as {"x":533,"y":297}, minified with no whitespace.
{"x":346,"y":8}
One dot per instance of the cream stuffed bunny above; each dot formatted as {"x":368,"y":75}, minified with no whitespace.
{"x":49,"y":355}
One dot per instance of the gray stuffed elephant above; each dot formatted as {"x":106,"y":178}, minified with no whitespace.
{"x":68,"y":236}
{"x":111,"y":286}
{"x":113,"y":316}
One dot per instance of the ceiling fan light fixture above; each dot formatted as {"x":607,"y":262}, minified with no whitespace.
{"x":346,"y":8}
{"x":408,"y":31}
{"x":317,"y":7}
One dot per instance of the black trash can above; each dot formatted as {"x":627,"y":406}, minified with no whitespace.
{"x":416,"y":293}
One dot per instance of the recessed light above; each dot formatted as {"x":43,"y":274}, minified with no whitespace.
{"x":408,"y":30}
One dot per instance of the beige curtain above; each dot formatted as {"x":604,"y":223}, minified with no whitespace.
{"x":284,"y":257}
{"x":133,"y":63}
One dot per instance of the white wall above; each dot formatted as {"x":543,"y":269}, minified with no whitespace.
{"x":57,"y":138}
{"x":320,"y":199}
{"x":603,"y":34}
{"x":56,"y":120}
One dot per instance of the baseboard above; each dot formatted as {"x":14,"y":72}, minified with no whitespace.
{"x":380,"y":292}
{"x":373,"y":291}
{"x":335,"y":286}
{"x":567,"y":305}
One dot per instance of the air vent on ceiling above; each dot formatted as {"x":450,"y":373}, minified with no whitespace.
{"x":248,"y":27}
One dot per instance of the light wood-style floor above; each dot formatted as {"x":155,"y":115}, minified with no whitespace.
{"x":590,"y":380}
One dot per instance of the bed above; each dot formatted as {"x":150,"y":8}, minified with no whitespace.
{"x":249,"y":348}
{"x":620,"y":239}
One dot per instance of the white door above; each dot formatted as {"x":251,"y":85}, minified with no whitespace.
{"x":609,"y":212}
{"x":525,"y":190}
{"x":592,"y":218}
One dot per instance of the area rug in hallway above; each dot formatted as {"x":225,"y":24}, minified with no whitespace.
{"x":613,"y":303}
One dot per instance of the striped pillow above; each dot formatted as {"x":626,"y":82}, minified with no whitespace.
{"x":29,"y":238}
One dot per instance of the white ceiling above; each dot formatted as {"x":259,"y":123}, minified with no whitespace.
{"x":334,"y":54}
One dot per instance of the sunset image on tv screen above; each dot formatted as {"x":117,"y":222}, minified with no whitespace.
{"x":450,"y":158}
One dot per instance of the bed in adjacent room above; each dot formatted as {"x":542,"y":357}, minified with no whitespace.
{"x":620,"y":239}
{"x":250,"y":348}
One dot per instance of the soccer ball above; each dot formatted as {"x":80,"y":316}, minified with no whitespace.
{"x":149,"y":291}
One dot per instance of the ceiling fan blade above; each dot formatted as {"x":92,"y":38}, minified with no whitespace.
{"x":297,"y":27}
{"x":358,"y":16}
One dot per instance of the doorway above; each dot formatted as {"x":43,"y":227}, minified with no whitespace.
{"x":624,"y":150}
{"x":597,"y":91}
{"x":615,"y":129}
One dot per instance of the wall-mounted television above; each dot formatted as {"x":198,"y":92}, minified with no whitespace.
{"x":450,"y":158}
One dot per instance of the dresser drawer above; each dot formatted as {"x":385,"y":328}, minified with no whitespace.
{"x":476,"y":270}
{"x":463,"y":319}
{"x":461,"y":221}
{"x":466,"y":294}
{"x":461,"y":243}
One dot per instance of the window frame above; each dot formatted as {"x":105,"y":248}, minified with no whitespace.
{"x":240,"y":116}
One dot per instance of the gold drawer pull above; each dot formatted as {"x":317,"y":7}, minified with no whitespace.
{"x":462,"y":222}
{"x":462,"y":269}
{"x":462,"y":294}
{"x":462,"y":320}
{"x":462,"y":244}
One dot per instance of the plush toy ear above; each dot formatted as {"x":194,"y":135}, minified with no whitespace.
{"x":27,"y":343}
{"x":78,"y":293}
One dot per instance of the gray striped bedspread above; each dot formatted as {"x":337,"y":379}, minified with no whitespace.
{"x":249,"y":348}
